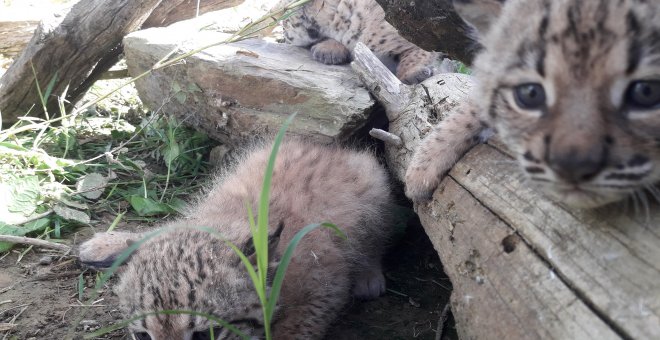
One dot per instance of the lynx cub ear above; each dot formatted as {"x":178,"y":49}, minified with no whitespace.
{"x":479,"y":13}
{"x":102,"y":250}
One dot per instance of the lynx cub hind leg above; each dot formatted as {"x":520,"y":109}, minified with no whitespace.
{"x":440,"y":150}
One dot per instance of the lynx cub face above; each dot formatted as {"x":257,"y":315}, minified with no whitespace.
{"x":573,"y":89}
{"x":332,"y":28}
{"x":186,"y":269}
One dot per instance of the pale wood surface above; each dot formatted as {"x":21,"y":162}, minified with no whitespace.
{"x":237,"y":91}
{"x":522,"y":266}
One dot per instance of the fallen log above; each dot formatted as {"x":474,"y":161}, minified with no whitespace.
{"x":237,"y":91}
{"x":431,"y":25}
{"x":75,"y":49}
{"x":522,"y":266}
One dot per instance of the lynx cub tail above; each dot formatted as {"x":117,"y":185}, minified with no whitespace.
{"x":187,"y":269}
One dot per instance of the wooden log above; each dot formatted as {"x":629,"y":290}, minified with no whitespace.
{"x":523,"y":266}
{"x":431,"y":25}
{"x":237,"y":91}
{"x":77,"y":48}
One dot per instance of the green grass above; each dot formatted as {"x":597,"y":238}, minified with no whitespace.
{"x":65,"y":171}
{"x":258,"y":272}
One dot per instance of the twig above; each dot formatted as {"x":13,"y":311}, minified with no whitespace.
{"x":441,"y":323}
{"x":386,"y":137}
{"x":34,"y":242}
{"x":34,"y":218}
{"x":50,"y":276}
{"x":14,"y":319}
{"x":10,"y":308}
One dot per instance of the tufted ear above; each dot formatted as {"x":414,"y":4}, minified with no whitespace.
{"x":102,"y":250}
{"x":479,"y":13}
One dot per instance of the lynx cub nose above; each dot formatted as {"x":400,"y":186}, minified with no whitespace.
{"x":576,"y":166}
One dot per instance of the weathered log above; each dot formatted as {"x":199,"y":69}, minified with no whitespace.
{"x":77,"y":48}
{"x":522,"y":266}
{"x":431,"y":25}
{"x":245,"y":89}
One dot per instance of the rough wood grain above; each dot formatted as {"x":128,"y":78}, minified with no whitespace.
{"x":14,"y":35}
{"x":521,"y":265}
{"x":245,"y":89}
{"x":431,"y":25}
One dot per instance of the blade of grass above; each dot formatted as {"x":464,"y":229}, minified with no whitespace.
{"x":261,"y":246}
{"x":286,"y":259}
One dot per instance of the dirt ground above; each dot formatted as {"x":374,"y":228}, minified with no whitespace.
{"x":39,"y":297}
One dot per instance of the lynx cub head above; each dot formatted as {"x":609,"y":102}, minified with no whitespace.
{"x":182,"y":269}
{"x":573,"y":89}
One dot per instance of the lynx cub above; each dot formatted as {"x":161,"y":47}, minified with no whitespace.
{"x":187,"y":269}
{"x":571,"y":87}
{"x":332,"y":28}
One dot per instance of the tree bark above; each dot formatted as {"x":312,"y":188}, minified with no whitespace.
{"x":431,"y":25}
{"x":77,"y":48}
{"x":522,"y":266}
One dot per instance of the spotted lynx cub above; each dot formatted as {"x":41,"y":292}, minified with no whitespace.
{"x":332,"y":28}
{"x":571,"y":87}
{"x":187,"y":269}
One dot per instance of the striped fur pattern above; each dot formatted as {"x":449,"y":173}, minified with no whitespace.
{"x":571,"y":87}
{"x":187,"y":269}
{"x":332,"y":28}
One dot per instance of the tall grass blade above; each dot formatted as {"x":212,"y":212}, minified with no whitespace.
{"x":286,"y":259}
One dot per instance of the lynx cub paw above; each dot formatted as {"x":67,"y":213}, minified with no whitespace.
{"x":331,"y":52}
{"x":421,"y":182}
{"x":102,"y":249}
{"x":369,"y":284}
{"x":414,"y":75}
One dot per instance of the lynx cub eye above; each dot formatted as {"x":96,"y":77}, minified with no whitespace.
{"x":206,"y":334}
{"x":530,"y":96}
{"x":644,"y":94}
{"x":142,"y":336}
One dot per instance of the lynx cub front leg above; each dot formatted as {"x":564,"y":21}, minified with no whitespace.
{"x":414,"y":66}
{"x":331,"y":52}
{"x":440,"y":150}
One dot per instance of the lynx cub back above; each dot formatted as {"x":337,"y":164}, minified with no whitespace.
{"x":188,"y":269}
{"x":332,"y":28}
{"x":571,"y":87}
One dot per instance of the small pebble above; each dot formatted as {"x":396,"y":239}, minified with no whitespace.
{"x":46,"y":260}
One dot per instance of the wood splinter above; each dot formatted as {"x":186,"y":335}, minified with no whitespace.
{"x":386,"y":137}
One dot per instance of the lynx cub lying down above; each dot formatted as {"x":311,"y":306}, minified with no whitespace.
{"x":332,"y":28}
{"x":187,"y":269}
{"x":571,"y":87}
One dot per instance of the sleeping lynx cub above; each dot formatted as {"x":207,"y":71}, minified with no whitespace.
{"x":332,"y":28}
{"x":571,"y":87}
{"x":191,"y":270}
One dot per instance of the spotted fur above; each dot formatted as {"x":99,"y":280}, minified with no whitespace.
{"x":188,"y":269}
{"x":332,"y":28}
{"x":571,"y":87}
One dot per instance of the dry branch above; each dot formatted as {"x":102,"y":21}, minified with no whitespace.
{"x":34,"y":242}
{"x":77,"y":48}
{"x":521,"y":265}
